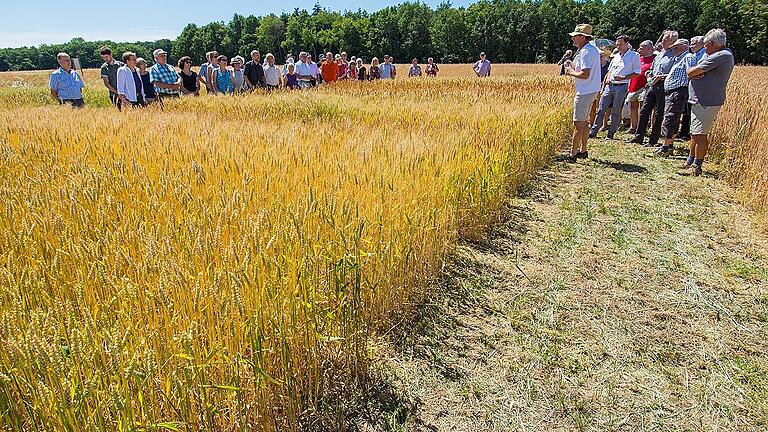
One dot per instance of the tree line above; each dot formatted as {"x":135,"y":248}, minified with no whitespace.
{"x":515,"y":31}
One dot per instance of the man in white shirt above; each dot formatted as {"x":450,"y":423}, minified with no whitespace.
{"x":624,"y":66}
{"x":130,"y":89}
{"x":585,"y":68}
{"x":271,"y":73}
{"x":303,"y":71}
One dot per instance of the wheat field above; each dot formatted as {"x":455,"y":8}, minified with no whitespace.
{"x":227,"y":263}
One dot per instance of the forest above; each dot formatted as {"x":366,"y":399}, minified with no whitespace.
{"x":510,"y":31}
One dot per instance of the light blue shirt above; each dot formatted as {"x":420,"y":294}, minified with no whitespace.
{"x":303,"y":68}
{"x":68,"y":85}
{"x":386,"y":70}
{"x":678,"y":74}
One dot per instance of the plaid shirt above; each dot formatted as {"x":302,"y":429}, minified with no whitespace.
{"x":678,"y":75}
{"x":165,"y":74}
{"x":68,"y":85}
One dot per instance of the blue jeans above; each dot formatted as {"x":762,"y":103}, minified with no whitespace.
{"x":613,"y":96}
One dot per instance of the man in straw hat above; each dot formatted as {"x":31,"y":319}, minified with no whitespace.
{"x":675,"y":96}
{"x":585,"y":69}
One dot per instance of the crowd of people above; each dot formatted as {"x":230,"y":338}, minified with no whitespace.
{"x":131,"y":82}
{"x":676,"y":87}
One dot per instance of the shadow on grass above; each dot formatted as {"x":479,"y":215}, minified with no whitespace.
{"x":620,"y":166}
{"x":437,"y":330}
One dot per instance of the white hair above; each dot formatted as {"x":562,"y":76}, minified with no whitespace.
{"x":673,"y":34}
{"x":62,"y":55}
{"x":697,"y":39}
{"x":646,"y":43}
{"x":717,"y":37}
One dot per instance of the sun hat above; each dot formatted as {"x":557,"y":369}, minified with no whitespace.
{"x":683,"y":42}
{"x":158,"y":51}
{"x":582,"y":29}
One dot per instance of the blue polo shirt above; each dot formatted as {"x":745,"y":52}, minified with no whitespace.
{"x":68,"y":85}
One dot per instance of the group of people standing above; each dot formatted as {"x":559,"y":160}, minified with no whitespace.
{"x":677,"y":87}
{"x":131,"y":82}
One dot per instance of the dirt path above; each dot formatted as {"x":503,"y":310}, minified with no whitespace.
{"x":615,"y":295}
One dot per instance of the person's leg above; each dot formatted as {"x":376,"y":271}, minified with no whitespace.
{"x":645,"y":116}
{"x":619,"y":95}
{"x":576,"y":138}
{"x":606,"y":116}
{"x":653,"y":137}
{"x":605,"y":99}
{"x":584,"y":137}
{"x":669,"y":123}
{"x":634,"y":115}
{"x":685,"y":126}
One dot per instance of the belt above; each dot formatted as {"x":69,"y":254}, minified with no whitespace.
{"x":675,"y":89}
{"x":619,"y":84}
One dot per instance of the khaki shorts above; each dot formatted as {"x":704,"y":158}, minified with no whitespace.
{"x":702,"y":118}
{"x":582,"y":105}
{"x":636,"y":96}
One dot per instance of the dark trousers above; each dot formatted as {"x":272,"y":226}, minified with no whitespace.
{"x":76,"y":103}
{"x":654,"y":100}
{"x":685,"y":126}
{"x":675,"y":103}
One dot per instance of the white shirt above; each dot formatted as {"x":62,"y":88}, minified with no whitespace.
{"x":271,"y":75}
{"x":303,"y":68}
{"x":588,"y":57}
{"x":126,"y":86}
{"x":624,"y":65}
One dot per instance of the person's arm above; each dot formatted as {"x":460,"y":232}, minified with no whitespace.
{"x":246,"y":81}
{"x":232,"y":80}
{"x":105,"y":78}
{"x":705,"y":66}
{"x":394,"y":71}
{"x":52,"y":85}
{"x":122,"y":85}
{"x":582,"y":74}
{"x":159,"y":84}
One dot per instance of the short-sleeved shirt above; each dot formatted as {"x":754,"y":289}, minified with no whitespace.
{"x":709,"y":90}
{"x":271,"y":75}
{"x":68,"y":85}
{"x":641,"y":80}
{"x":414,"y":70}
{"x":110,"y":71}
{"x":385,"y":71}
{"x":624,"y":65}
{"x":330,"y":71}
{"x":663,"y":63}
{"x":482,"y":67}
{"x":375,"y":73}
{"x":255,"y":73}
{"x":303,"y":68}
{"x":204,"y":71}
{"x":165,"y":74}
{"x":343,"y":70}
{"x":588,"y":57}
{"x":678,"y":74}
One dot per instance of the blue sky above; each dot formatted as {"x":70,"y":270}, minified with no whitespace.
{"x":33,"y":22}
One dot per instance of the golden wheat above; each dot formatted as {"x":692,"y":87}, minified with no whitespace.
{"x":223,"y":264}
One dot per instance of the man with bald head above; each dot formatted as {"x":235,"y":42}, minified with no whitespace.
{"x":65,"y":84}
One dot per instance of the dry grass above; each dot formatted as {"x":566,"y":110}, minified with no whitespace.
{"x":614,"y":295}
{"x":224,"y":263}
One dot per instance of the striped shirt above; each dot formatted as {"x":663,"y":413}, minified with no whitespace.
{"x":678,"y":75}
{"x":68,"y":85}
{"x":165,"y":74}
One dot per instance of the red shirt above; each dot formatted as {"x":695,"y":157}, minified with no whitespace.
{"x":640,"y":81}
{"x":330,"y":71}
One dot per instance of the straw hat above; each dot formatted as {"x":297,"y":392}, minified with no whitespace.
{"x":582,"y":29}
{"x":681,"y":42}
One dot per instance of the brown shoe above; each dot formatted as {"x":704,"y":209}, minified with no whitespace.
{"x":684,"y":166}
